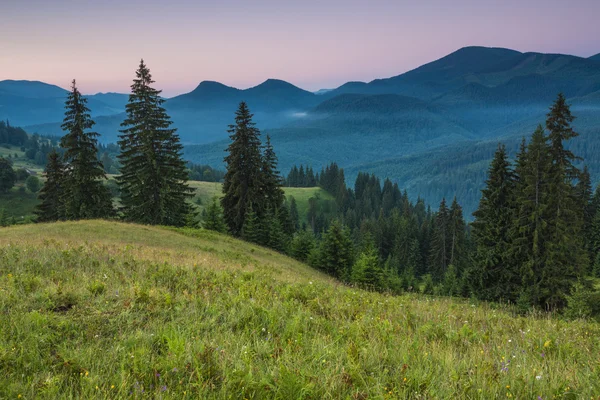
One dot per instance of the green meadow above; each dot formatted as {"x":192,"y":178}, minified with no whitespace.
{"x":106,"y":310}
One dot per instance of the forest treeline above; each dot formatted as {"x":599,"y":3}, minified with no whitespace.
{"x":534,"y":242}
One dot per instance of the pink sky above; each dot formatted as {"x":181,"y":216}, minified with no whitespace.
{"x":312,"y":44}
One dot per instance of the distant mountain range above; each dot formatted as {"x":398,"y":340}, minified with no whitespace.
{"x":469,"y":99}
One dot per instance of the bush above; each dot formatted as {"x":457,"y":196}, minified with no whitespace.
{"x":33,"y":184}
{"x":584,"y":302}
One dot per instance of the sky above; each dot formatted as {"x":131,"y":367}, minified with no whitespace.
{"x":313,"y":44}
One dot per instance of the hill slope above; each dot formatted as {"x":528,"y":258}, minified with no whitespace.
{"x":109,"y":310}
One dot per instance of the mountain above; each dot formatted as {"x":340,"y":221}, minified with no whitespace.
{"x":322,"y":91}
{"x":204,"y":114}
{"x":29,"y":103}
{"x":30,"y":89}
{"x":434,"y":129}
{"x":596,"y":57}
{"x":489,"y":67}
{"x":116,"y":101}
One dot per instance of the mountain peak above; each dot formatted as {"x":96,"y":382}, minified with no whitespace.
{"x":31,"y":89}
{"x":276,"y":84}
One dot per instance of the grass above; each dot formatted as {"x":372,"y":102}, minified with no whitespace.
{"x":109,"y":310}
{"x":205,"y":191}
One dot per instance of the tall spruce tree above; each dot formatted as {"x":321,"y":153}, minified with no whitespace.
{"x":294,"y":216}
{"x":243,"y":185}
{"x":457,"y":237}
{"x":271,"y":180}
{"x":492,"y":275}
{"x":585,"y":197}
{"x":566,"y":258}
{"x":440,"y":241}
{"x":51,"y":206}
{"x":84,"y":195}
{"x":529,"y":231}
{"x":153,"y":180}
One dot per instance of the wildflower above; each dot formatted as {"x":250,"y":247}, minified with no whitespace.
{"x":538,"y":377}
{"x":112,"y":386}
{"x":508,"y":386}
{"x":86,"y":373}
{"x":548,"y":343}
{"x":164,"y":388}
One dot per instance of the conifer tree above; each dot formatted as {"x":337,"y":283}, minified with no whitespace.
{"x":3,"y":218}
{"x":212,"y":217}
{"x":585,"y":194}
{"x":84,"y":194}
{"x":457,"y":236}
{"x":336,"y":252}
{"x":274,"y":235}
{"x":529,"y":231}
{"x":271,"y":180}
{"x":302,"y":245}
{"x":294,"y":216}
{"x":252,"y":230}
{"x":153,"y":181}
{"x":243,"y":180}
{"x":493,"y":277}
{"x":8,"y":176}
{"x":566,"y":258}
{"x":51,"y":206}
{"x":367,"y":271}
{"x":440,"y":242}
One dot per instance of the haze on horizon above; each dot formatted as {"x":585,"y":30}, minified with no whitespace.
{"x":312,"y":44}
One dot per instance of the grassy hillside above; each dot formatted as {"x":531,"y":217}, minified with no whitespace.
{"x":205,"y":191}
{"x":109,"y":310}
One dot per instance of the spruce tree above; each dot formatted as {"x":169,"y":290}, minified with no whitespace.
{"x":439,"y":257}
{"x":51,"y":207}
{"x":271,"y":180}
{"x":585,"y":194}
{"x":493,"y":277}
{"x":243,"y":187}
{"x":3,"y":217}
{"x":153,"y":180}
{"x":529,"y":231}
{"x":84,"y":194}
{"x":252,"y":229}
{"x":302,"y":245}
{"x":366,"y":271}
{"x":566,"y":258}
{"x":336,"y":252}
{"x":294,"y":216}
{"x":8,"y":176}
{"x":457,"y":237}
{"x":212,"y":217}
